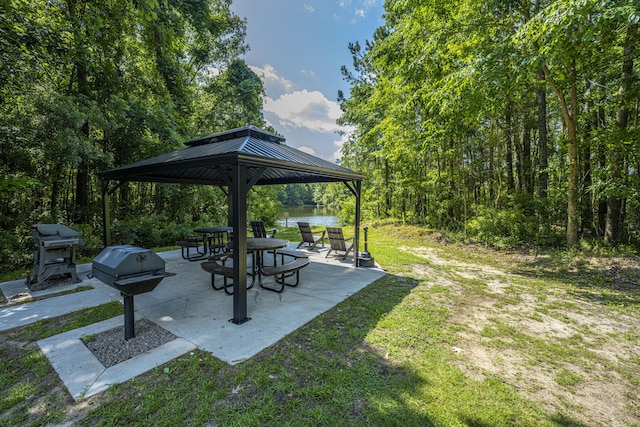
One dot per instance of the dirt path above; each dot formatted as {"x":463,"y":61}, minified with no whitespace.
{"x":566,"y":335}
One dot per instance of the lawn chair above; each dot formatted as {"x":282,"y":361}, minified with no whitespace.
{"x":338,"y":242}
{"x":308,"y":237}
{"x":259,"y":231}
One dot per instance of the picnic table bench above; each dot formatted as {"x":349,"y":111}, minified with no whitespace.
{"x":189,"y":243}
{"x":283,"y":271}
{"x":214,"y":267}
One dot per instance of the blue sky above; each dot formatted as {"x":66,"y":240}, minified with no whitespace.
{"x":297,"y":47}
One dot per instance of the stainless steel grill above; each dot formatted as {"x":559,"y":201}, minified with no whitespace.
{"x":132,"y":271}
{"x":54,"y":252}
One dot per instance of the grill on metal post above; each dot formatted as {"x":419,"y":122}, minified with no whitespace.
{"x":54,"y":252}
{"x":132,"y":271}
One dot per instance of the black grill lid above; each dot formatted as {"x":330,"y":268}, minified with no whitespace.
{"x":126,"y":260}
{"x":55,"y":230}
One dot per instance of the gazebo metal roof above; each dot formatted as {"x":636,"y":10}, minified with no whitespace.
{"x":236,"y":159}
{"x":208,"y":161}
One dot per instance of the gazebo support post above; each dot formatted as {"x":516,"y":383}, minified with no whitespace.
{"x":356,"y":188}
{"x":356,"y":239}
{"x":238,"y":193}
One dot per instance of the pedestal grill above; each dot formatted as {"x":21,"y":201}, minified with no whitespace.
{"x":364,"y":258}
{"x":54,"y":252}
{"x":132,"y":271}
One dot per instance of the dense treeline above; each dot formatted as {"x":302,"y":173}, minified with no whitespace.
{"x":510,"y":120}
{"x":87,"y":85}
{"x":514,"y":121}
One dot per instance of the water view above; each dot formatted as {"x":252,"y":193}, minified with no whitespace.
{"x":290,"y":215}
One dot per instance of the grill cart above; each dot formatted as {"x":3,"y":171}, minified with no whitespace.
{"x":54,"y":252}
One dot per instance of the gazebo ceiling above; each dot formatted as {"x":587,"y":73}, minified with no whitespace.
{"x":208,"y":160}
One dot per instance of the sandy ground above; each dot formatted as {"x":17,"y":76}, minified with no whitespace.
{"x":589,"y":324}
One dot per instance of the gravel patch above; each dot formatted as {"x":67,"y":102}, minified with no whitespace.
{"x":50,"y":282}
{"x":110,"y":347}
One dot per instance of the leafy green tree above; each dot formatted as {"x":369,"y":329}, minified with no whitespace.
{"x":232,"y":99}
{"x":459,"y":107}
{"x":85,"y":86}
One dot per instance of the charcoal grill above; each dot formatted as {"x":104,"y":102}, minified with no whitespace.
{"x":54,"y":252}
{"x":132,"y":271}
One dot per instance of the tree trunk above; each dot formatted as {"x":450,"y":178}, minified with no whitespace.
{"x":527,"y":169}
{"x":389,"y":192}
{"x":81,"y":211}
{"x":543,"y":152}
{"x":571,"y":122}
{"x":509,"y":145}
{"x":602,"y":164}
{"x":517,"y":145}
{"x":591,"y":126}
{"x":587,"y":211}
{"x":492,"y":193}
{"x":82,"y":175}
{"x":55,"y":197}
{"x":613,"y":226}
{"x":573,"y":215}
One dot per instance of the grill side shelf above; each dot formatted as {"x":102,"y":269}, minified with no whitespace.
{"x":126,"y":281}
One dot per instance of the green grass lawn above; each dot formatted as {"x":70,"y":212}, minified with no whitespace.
{"x":397,"y":353}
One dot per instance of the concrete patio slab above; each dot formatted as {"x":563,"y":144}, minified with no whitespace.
{"x":26,"y":313}
{"x":187,"y":306}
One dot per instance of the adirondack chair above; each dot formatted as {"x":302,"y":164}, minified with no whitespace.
{"x":338,"y":243}
{"x":309,"y":237}
{"x":259,"y":231}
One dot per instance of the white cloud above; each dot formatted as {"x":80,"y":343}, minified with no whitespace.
{"x":309,"y":9}
{"x":305,"y":115}
{"x":357,"y":9}
{"x":339,"y":143}
{"x":269,"y":75}
{"x":304,"y":109}
{"x":336,"y":155}
{"x":308,"y":73}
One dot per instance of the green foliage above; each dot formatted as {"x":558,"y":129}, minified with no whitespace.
{"x":149,"y":231}
{"x":263,"y":204}
{"x":15,"y":251}
{"x":233,"y":99}
{"x":502,"y":227}
{"x":449,"y":104}
{"x":298,"y":194}
{"x":87,"y":86}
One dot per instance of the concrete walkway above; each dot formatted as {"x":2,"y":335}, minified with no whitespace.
{"x":187,"y":306}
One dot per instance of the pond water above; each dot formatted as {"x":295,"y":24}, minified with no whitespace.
{"x":314,"y":216}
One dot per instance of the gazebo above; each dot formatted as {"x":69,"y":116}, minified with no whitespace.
{"x":236,"y":159}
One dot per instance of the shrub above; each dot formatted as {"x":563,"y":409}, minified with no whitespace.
{"x":501,"y":227}
{"x":148,"y":231}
